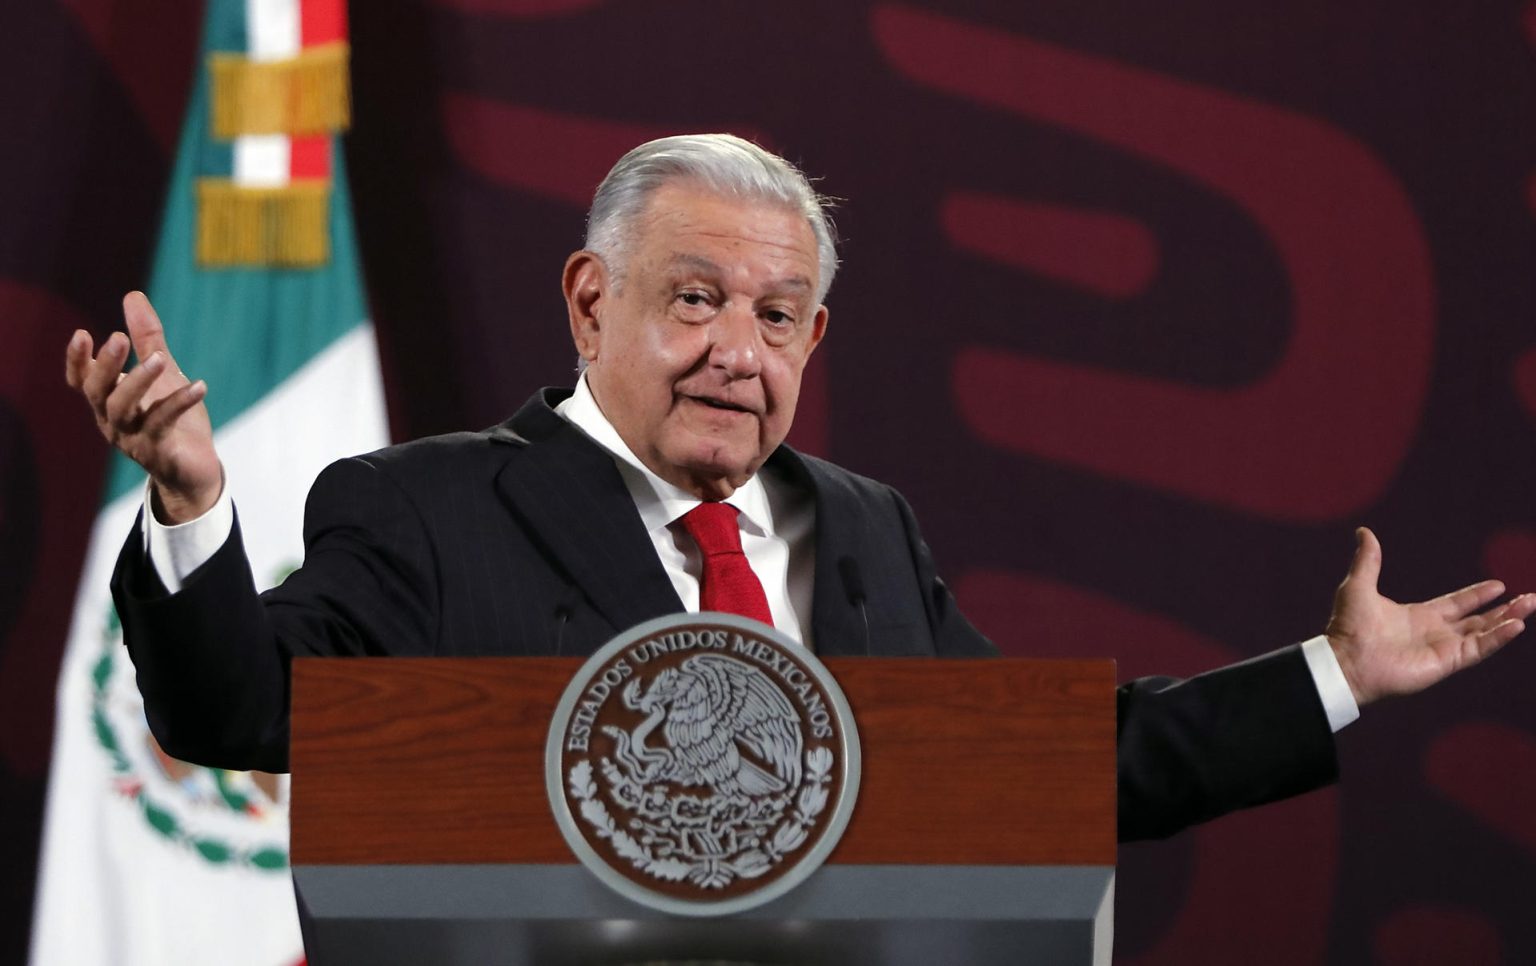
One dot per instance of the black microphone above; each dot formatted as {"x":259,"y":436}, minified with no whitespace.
{"x":853,"y":586}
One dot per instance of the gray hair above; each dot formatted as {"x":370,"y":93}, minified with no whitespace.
{"x":722,"y":163}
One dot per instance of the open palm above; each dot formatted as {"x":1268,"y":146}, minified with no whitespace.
{"x":1386,"y":648}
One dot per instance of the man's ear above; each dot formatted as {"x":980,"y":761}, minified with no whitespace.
{"x":585,"y":283}
{"x":818,"y":328}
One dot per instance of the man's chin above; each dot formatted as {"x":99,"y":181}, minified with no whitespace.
{"x":713,"y":473}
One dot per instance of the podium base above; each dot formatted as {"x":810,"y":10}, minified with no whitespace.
{"x":844,"y":915}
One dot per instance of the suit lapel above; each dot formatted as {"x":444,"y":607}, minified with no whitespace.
{"x":837,"y":622}
{"x":567,"y":492}
{"x":571,"y":498}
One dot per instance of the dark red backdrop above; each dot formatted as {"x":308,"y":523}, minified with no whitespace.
{"x":1144,"y":307}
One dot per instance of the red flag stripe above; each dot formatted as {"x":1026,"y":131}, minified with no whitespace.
{"x":309,"y":157}
{"x":322,"y":22}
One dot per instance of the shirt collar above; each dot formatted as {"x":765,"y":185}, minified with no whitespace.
{"x":660,"y":503}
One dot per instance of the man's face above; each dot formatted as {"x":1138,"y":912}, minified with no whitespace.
{"x":695,"y":355}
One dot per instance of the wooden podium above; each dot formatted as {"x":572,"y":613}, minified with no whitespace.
{"x":984,"y":830}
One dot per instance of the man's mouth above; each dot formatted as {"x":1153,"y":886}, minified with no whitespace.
{"x":722,"y":404}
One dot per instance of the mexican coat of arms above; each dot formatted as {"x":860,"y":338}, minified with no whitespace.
{"x":702,"y":764}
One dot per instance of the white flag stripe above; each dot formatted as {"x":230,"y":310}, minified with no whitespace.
{"x":272,"y":29}
{"x":261,"y":160}
{"x":331,"y":408}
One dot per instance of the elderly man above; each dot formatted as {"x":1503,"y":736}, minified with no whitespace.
{"x":694,"y":306}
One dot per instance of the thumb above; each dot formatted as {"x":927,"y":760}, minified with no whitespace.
{"x":144,"y":328}
{"x":1366,"y":567}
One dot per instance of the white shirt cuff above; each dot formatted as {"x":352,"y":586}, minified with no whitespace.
{"x":1338,"y":699}
{"x":176,"y":551}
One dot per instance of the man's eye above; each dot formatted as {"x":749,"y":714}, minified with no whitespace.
{"x":693,"y":298}
{"x":778,"y":317}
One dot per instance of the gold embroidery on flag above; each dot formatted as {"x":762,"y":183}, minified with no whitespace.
{"x":284,"y":226}
{"x":307,"y":94}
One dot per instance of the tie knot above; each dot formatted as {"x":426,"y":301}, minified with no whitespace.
{"x":713,"y":526}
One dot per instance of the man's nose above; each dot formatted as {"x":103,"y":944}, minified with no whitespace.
{"x":735,"y":345}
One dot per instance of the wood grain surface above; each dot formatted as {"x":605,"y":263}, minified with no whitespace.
{"x":982,"y":762}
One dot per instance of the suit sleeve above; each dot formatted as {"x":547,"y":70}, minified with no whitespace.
{"x":1187,"y":750}
{"x":1243,"y":735}
{"x":213,"y":659}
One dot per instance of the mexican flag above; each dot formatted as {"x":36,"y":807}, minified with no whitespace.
{"x":146,"y":859}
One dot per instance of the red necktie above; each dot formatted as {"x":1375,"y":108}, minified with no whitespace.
{"x":728,"y":583}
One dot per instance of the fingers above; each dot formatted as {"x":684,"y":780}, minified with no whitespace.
{"x":1459,"y":603}
{"x":101,"y":374}
{"x":1496,"y":637}
{"x":1366,"y":567}
{"x":144,"y":326}
{"x":77,"y":358}
{"x":123,"y":412}
{"x":1517,"y":609}
{"x":1482,"y":634}
{"x":164,"y":411}
{"x":1477,"y":623}
{"x":1521,"y":607}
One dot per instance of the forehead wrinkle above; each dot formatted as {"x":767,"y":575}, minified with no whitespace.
{"x":751,"y":221}
{"x":697,"y":262}
{"x":708,"y":267}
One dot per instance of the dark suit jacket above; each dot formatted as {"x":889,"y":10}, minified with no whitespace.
{"x":523,"y":540}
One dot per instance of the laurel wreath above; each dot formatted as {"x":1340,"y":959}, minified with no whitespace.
{"x":160,"y":818}
{"x":713,"y":872}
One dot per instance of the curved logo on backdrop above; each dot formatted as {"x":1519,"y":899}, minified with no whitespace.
{"x":225,"y":818}
{"x":702,"y":764}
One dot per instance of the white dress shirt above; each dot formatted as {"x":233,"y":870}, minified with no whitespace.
{"x":778,"y":526}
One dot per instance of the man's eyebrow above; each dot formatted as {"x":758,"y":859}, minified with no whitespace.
{"x":794,"y":281}
{"x":704,"y":266}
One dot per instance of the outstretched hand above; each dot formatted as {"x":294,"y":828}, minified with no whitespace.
{"x":153,"y":413}
{"x":1386,"y":648}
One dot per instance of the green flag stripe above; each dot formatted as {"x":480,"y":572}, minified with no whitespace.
{"x":224,"y":30}
{"x":224,"y":27}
